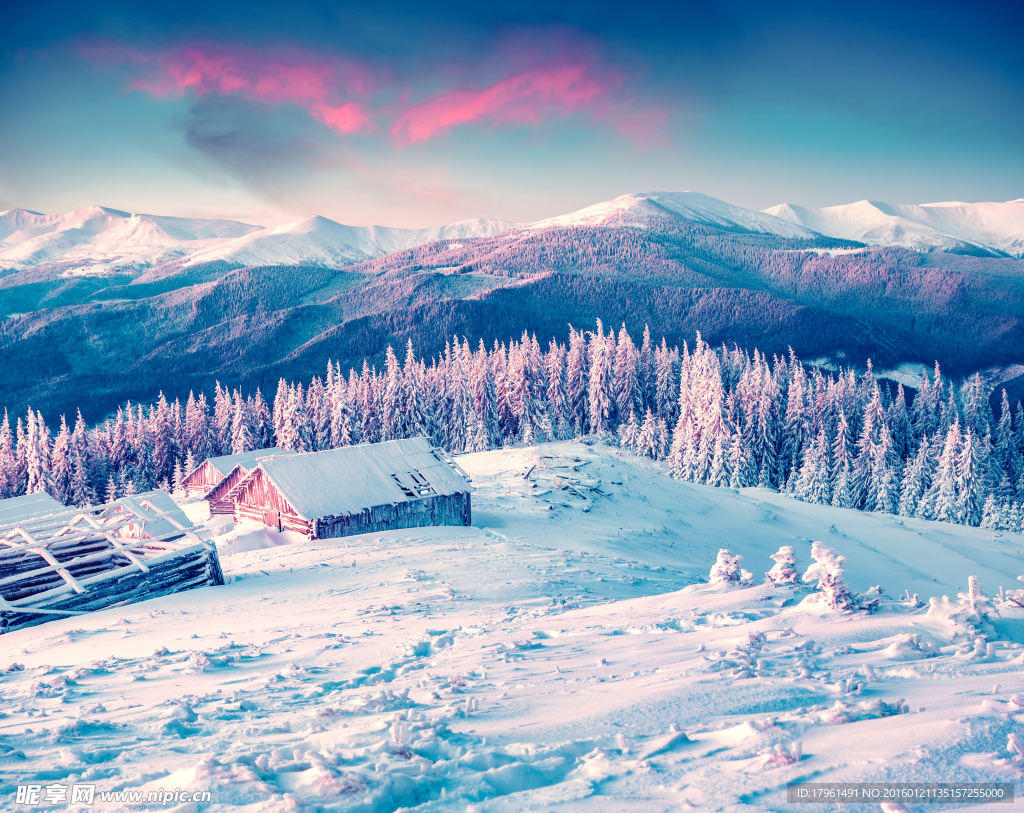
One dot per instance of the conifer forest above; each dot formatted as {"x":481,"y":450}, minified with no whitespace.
{"x":717,"y":416}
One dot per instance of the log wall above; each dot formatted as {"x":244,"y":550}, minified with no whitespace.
{"x":455,"y":509}
{"x":217,"y":496}
{"x":185,"y":569}
{"x":202,"y":480}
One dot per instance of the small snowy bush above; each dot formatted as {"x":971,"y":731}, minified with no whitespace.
{"x":828,"y":570}
{"x":975,"y":599}
{"x":727,"y":571}
{"x":784,"y":570}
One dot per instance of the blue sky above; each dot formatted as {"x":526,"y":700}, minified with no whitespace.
{"x":417,"y":114}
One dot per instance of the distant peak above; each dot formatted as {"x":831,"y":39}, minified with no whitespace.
{"x":96,"y":210}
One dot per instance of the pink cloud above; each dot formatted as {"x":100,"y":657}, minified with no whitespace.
{"x":526,"y":98}
{"x":319,"y":84}
{"x":335,"y":91}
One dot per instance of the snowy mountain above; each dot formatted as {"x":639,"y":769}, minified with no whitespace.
{"x":319,"y":241}
{"x":96,"y":240}
{"x":563,"y":654}
{"x":648,"y":210}
{"x":984,"y":227}
{"x":98,"y":237}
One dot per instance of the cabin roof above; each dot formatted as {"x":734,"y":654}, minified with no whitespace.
{"x":144,"y":504}
{"x":350,"y":479}
{"x":18,"y":509}
{"x":225,"y":463}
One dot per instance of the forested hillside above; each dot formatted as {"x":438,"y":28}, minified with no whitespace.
{"x":184,"y":328}
{"x":720,"y":417}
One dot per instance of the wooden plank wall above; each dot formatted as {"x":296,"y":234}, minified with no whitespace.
{"x":258,"y":497}
{"x":216,"y":497}
{"x":202,"y":479}
{"x":455,"y":509}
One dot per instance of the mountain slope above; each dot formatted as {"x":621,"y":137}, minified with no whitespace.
{"x":559,"y":655}
{"x":960,"y":227}
{"x":653,"y":209}
{"x":96,"y":235}
{"x":250,"y":326}
{"x":319,"y":241}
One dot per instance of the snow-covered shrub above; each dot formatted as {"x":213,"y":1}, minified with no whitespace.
{"x":828,"y":570}
{"x":780,"y":754}
{"x":784,"y":570}
{"x":975,"y":599}
{"x":727,"y":570}
{"x":1012,"y":598}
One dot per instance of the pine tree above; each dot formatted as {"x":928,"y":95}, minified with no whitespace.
{"x":666,"y":387}
{"x":554,"y":364}
{"x":883,"y":490}
{"x":241,"y":434}
{"x":969,"y":481}
{"x":178,"y":483}
{"x":391,"y":418}
{"x":647,"y":372}
{"x":162,"y":432}
{"x":576,"y":391}
{"x":741,"y":474}
{"x":222,"y":410}
{"x":946,"y":507}
{"x":601,"y":392}
{"x":990,"y":513}
{"x":629,"y":433}
{"x":37,"y":455}
{"x":916,"y":479}
{"x":62,"y":465}
{"x":628,"y":385}
{"x":813,"y":484}
{"x":8,"y":474}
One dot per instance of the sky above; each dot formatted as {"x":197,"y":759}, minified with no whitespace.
{"x":415,"y":114}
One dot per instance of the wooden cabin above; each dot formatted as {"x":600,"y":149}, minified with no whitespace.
{"x":356,"y":490}
{"x":217,"y":496}
{"x":213,"y":470}
{"x":67,"y":563}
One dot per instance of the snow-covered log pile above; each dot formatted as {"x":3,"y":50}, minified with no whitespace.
{"x":73,"y":561}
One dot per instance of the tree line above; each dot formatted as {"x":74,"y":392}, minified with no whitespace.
{"x":718,"y":417}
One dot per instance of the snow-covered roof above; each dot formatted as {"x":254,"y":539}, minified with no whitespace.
{"x":162,"y":514}
{"x":225,"y":463}
{"x":350,"y":479}
{"x":18,"y":509}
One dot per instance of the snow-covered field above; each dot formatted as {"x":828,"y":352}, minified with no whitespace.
{"x":565,"y":653}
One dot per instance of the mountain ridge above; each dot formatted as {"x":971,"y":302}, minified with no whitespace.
{"x":97,"y":240}
{"x":989,"y":227}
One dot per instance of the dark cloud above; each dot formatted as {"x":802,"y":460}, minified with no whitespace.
{"x":265,"y":150}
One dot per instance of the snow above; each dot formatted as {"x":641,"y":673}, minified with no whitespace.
{"x":226,"y":463}
{"x":998,"y":227}
{"x":161,"y":513}
{"x":28,"y":506}
{"x":319,"y":241}
{"x":353,"y":478}
{"x":100,"y":240}
{"x":649,"y":209}
{"x":564,"y":654}
{"x":96,"y":235}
